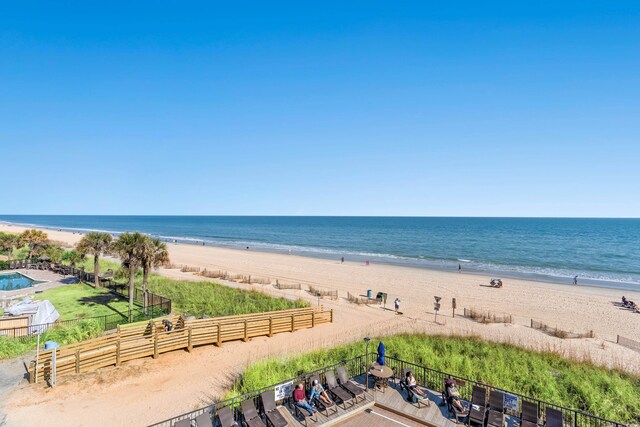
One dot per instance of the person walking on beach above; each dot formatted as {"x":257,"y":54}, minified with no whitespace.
{"x":396,"y":303}
{"x":459,"y":268}
{"x":575,"y":280}
{"x":342,"y":260}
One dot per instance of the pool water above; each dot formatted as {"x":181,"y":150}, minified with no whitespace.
{"x":13,"y":281}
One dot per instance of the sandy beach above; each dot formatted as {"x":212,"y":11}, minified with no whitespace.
{"x":151,"y":390}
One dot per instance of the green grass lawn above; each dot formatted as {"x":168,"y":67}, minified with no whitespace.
{"x":608,"y":394}
{"x":82,"y":300}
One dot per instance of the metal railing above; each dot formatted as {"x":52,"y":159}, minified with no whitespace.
{"x":355,"y":367}
{"x":427,"y":377}
{"x":434,"y":380}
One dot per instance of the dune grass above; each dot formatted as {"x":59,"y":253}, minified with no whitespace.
{"x":83,"y":330}
{"x":608,"y":394}
{"x":212,"y":299}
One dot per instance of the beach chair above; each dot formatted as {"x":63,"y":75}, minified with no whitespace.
{"x":350,"y":386}
{"x":478,"y":409}
{"x":225,"y":416}
{"x":320,"y":404}
{"x":496,"y":409}
{"x":336,"y":391}
{"x":274,"y":417}
{"x":553,"y":418}
{"x":529,"y":415}
{"x":250,"y":415}
{"x":412,"y":397}
{"x":446,"y":401}
{"x":204,"y":420}
{"x":302,"y":414}
{"x":182,"y":423}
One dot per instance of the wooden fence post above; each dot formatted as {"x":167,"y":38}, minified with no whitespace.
{"x":293,"y":322}
{"x":118,"y":352}
{"x":218,"y":340}
{"x":270,"y":326}
{"x":189,"y":345}
{"x":246,"y":338}
{"x":313,"y":319}
{"x":331,"y":316}
{"x":155,"y":345}
{"x":77,"y":361}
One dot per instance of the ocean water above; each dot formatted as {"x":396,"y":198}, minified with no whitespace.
{"x":602,"y":252}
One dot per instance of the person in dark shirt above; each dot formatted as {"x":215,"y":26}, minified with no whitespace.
{"x":301,"y":400}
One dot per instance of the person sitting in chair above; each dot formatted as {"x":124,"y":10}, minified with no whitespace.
{"x":317,"y":392}
{"x":412,"y":385}
{"x":167,"y":325}
{"x":454,"y":395}
{"x":625,"y":301}
{"x":300,"y":399}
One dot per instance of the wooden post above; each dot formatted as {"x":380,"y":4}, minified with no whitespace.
{"x":155,"y":345}
{"x":118,"y":353}
{"x":331,"y":316}
{"x":313,"y":319}
{"x":218,"y":341}
{"x":189,"y":345}
{"x":293,"y":322}
{"x":77,"y":361}
{"x":270,"y":326}
{"x":246,"y":338}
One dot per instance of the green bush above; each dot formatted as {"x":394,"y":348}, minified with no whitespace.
{"x":606,"y":393}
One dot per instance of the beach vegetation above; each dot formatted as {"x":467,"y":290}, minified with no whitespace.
{"x":36,"y":240}
{"x":606,"y":393}
{"x":96,"y":244}
{"x":83,"y":330}
{"x":9,"y":242}
{"x":72,"y":257}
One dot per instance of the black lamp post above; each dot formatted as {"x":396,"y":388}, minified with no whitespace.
{"x":366,"y":363}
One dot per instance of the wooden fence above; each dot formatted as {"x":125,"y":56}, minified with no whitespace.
{"x":323,"y":292}
{"x":282,"y":286}
{"x":143,"y":339}
{"x":483,"y":317}
{"x":629,"y":343}
{"x":560,"y":333}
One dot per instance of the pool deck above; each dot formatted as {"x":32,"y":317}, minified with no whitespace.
{"x":50,"y":280}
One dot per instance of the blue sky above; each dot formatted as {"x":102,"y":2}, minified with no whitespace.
{"x":514,"y":108}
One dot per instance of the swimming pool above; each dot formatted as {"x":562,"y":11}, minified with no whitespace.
{"x":14,"y":281}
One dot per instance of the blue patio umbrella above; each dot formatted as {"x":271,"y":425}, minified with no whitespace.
{"x":381,"y":351}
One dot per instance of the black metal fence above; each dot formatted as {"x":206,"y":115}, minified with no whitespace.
{"x":355,"y":367}
{"x":430,"y":378}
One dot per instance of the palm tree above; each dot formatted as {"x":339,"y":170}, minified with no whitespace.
{"x":96,"y":244}
{"x":154,"y":254}
{"x":8,"y":242}
{"x":35,"y":239}
{"x":129,"y":247}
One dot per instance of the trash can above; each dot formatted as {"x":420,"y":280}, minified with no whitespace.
{"x":48,"y":345}
{"x":369,"y":293}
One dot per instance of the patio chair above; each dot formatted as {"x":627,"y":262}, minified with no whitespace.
{"x":446,"y":400}
{"x":478,"y":409}
{"x":553,"y":418}
{"x":496,"y":409}
{"x":274,"y":417}
{"x":12,"y":265}
{"x":350,"y":386}
{"x":529,"y":415}
{"x":225,"y":416}
{"x":204,"y":420}
{"x":302,"y":414}
{"x":412,"y":397}
{"x":250,"y":415}
{"x":182,"y":423}
{"x":336,"y":391}
{"x":320,"y":404}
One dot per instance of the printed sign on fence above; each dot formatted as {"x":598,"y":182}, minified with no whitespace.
{"x":283,"y":390}
{"x":511,"y":402}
